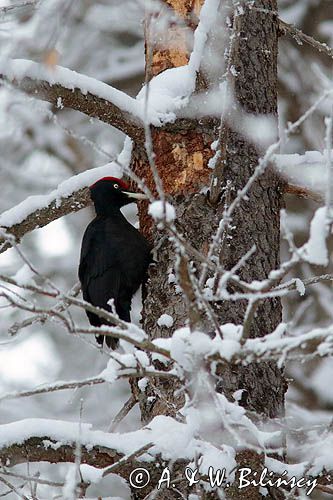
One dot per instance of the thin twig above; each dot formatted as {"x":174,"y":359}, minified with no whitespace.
{"x":148,"y":136}
{"x":326,"y":489}
{"x":123,"y":412}
{"x":299,"y":36}
{"x":32,"y":478}
{"x":13,"y":488}
{"x":292,"y":285}
{"x":248,"y":319}
{"x":61,"y":306}
{"x":127,"y":458}
{"x":57,"y":386}
{"x":220,"y":157}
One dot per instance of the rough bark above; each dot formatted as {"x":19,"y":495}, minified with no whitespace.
{"x":254,"y":57}
{"x":34,"y":449}
{"x":181,"y":159}
{"x":257,"y":220}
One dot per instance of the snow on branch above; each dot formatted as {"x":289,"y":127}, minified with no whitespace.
{"x":120,"y":329}
{"x":168,"y":93}
{"x":315,"y":250}
{"x":66,"y":88}
{"x":278,"y":345}
{"x":70,"y":196}
{"x":306,"y":174}
{"x":317,"y":342}
{"x":207,"y":18}
{"x":40,"y":217}
{"x":54,"y":441}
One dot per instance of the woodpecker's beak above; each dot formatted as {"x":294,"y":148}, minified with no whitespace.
{"x":137,"y":196}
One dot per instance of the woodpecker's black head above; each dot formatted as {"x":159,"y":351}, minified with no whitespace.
{"x":109,"y":194}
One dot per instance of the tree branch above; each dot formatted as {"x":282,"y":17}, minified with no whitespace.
{"x":60,"y":307}
{"x":65,"y":88}
{"x":40,"y":440}
{"x":57,"y":386}
{"x":44,"y":449}
{"x":41,"y":217}
{"x":303,"y":192}
{"x":126,"y":408}
{"x":38,"y":211}
{"x":301,"y":37}
{"x":37,"y":440}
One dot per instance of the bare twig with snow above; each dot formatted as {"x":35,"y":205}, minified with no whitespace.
{"x":127,"y":458}
{"x":61,"y":306}
{"x":57,"y":386}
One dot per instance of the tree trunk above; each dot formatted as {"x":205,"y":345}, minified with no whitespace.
{"x":257,"y":220}
{"x":181,"y":160}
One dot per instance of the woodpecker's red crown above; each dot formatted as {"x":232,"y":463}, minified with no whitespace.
{"x":121,"y":183}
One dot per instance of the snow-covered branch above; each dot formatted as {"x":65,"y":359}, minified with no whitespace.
{"x":37,"y":440}
{"x":275,"y":346}
{"x":70,"y":196}
{"x":41,"y":440}
{"x":66,"y":88}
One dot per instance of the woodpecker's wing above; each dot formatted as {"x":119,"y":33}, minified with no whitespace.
{"x":100,"y":273}
{"x":105,"y":287}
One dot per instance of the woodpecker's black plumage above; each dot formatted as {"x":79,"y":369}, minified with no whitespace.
{"x":114,"y":255}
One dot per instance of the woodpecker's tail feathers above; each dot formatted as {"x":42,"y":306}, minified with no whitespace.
{"x":111,"y":342}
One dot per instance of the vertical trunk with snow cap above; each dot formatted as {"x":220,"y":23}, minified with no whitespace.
{"x":181,"y":158}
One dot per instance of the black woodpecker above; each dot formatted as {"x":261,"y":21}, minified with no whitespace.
{"x":114,"y":255}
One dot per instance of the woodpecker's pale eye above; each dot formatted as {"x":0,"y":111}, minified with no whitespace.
{"x":116,"y":186}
